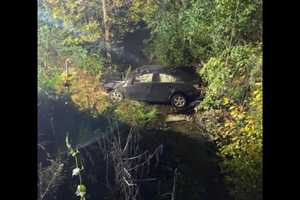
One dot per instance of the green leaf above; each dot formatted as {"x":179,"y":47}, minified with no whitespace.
{"x":81,"y":188}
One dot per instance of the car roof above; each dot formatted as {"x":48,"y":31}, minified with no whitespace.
{"x":186,"y":74}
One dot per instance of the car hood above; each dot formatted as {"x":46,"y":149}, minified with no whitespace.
{"x":114,"y":84}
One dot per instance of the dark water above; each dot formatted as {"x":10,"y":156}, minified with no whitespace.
{"x":192,"y":155}
{"x":57,"y":117}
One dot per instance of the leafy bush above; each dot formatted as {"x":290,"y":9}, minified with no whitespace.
{"x":180,"y":36}
{"x":48,"y":79}
{"x":244,"y":148}
{"x":135,"y":113}
{"x":83,"y":59}
{"x":232,"y":74}
{"x":85,"y":91}
{"x":232,"y":112}
{"x":183,"y":32}
{"x":49,"y":69}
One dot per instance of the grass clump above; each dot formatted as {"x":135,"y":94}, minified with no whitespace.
{"x":136,"y":113}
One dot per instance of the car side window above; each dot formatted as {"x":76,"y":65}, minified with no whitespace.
{"x":166,"y":78}
{"x":145,"y":78}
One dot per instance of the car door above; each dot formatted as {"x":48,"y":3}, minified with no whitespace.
{"x":139,"y":88}
{"x":162,"y":87}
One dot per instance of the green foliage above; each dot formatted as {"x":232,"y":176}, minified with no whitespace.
{"x":47,"y":83}
{"x":185,"y":32}
{"x":232,"y":108}
{"x":48,"y":79}
{"x":54,"y":44}
{"x":49,"y":58}
{"x":52,"y":53}
{"x":85,"y":91}
{"x":237,"y":130}
{"x":83,"y":59}
{"x":83,"y":21}
{"x":233,"y":74}
{"x":135,"y":113}
{"x":78,"y":20}
{"x":171,"y":41}
{"x":232,"y":112}
{"x":240,"y":19}
{"x":243,"y":150}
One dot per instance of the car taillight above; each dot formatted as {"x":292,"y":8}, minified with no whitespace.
{"x":197,"y":86}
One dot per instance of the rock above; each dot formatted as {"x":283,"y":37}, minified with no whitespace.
{"x":176,"y":118}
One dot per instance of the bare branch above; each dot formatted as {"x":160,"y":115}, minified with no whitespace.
{"x":126,"y":161}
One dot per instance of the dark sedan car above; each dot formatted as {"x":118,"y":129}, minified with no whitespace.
{"x":178,"y":86}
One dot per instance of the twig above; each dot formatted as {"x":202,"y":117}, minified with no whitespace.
{"x":147,"y":160}
{"x":51,"y":181}
{"x":128,"y":140}
{"x":174,"y":185}
{"x":129,"y":184}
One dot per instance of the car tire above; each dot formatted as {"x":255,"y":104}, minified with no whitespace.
{"x":115,"y":96}
{"x":179,"y":101}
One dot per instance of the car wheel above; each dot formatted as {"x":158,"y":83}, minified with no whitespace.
{"x":116,"y":96}
{"x":178,"y":101}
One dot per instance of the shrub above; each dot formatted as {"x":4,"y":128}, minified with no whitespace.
{"x":48,"y":79}
{"x":135,"y":113}
{"x":232,"y":112}
{"x":85,"y":91}
{"x":83,"y":59}
{"x":232,"y":74}
{"x":243,"y":150}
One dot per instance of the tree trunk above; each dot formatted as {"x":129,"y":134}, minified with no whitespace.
{"x":106,"y":34}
